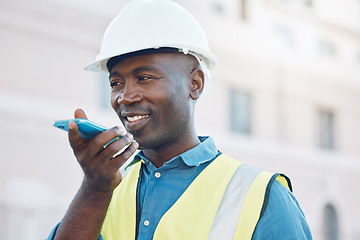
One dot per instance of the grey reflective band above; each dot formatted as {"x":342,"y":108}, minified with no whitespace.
{"x":227,"y":216}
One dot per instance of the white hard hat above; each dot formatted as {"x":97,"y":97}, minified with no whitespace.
{"x":153,"y":24}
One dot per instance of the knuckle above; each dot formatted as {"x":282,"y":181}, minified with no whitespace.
{"x":117,"y":131}
{"x":118,"y":161}
{"x":97,"y":141}
{"x":127,"y":154}
{"x":112,"y":149}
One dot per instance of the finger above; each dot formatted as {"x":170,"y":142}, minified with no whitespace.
{"x":97,"y":144}
{"x":120,"y":159}
{"x":116,"y":146}
{"x":79,"y":113}
{"x":73,"y":135}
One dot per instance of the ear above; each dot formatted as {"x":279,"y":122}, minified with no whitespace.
{"x":197,"y":83}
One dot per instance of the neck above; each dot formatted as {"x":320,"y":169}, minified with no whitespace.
{"x":165,"y":153}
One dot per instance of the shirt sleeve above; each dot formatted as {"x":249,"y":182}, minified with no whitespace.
{"x":53,"y":231}
{"x":282,"y":218}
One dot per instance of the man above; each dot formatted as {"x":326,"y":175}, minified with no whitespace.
{"x":179,"y":185}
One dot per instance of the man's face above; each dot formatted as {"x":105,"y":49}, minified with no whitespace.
{"x":151,"y":95}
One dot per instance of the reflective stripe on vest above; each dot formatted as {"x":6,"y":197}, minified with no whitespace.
{"x":225,"y":201}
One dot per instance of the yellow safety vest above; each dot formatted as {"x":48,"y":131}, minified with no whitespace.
{"x":225,"y":201}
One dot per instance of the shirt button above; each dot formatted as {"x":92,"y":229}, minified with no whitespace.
{"x":146,"y":223}
{"x":157,"y":174}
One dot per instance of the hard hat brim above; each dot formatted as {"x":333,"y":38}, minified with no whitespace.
{"x":210,"y":59}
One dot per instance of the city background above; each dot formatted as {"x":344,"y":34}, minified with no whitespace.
{"x":285,"y":97}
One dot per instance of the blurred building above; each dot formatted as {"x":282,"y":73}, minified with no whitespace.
{"x":285,"y":97}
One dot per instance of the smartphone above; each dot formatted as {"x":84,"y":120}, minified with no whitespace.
{"x":87,"y":129}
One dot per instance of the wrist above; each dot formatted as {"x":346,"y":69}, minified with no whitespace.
{"x":91,"y":192}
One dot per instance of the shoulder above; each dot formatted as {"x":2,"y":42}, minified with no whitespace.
{"x":283,"y":217}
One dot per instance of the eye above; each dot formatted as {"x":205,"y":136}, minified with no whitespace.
{"x":145,"y":78}
{"x":116,"y":84}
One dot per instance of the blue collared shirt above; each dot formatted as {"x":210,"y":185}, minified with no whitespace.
{"x":160,"y":188}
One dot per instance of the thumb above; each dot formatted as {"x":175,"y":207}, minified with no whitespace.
{"x":79,"y":113}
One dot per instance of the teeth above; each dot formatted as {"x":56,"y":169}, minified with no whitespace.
{"x":135,"y":118}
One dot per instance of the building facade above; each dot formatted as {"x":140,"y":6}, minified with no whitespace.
{"x":284,"y":97}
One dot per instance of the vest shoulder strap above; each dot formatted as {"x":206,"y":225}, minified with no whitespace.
{"x":121,"y":213}
{"x":243,"y":203}
{"x":255,"y":203}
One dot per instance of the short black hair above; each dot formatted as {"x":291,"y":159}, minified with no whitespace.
{"x":114,"y":60}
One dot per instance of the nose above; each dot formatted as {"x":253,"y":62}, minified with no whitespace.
{"x":129,"y":95}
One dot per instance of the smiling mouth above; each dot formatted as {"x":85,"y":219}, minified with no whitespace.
{"x":136,"y":118}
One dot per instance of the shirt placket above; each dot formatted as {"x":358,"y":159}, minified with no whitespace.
{"x":147,"y":223}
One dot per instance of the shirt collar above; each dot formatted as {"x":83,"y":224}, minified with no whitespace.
{"x":202,"y":153}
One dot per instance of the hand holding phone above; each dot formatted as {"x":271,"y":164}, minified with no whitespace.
{"x":99,"y":161}
{"x":87,"y":129}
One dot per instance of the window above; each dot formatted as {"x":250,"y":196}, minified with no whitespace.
{"x":327,"y":48}
{"x":331,"y":227}
{"x":307,"y":3}
{"x":326,"y":129}
{"x":243,"y":10}
{"x":284,"y":35}
{"x":219,"y":8}
{"x":240,"y":112}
